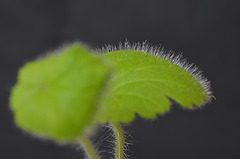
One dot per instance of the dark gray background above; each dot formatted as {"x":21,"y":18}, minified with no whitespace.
{"x":207,"y":31}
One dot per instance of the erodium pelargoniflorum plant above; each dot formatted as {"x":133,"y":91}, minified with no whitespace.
{"x":63,"y":95}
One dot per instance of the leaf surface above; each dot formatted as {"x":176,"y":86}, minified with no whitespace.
{"x":56,"y":97}
{"x":143,"y":84}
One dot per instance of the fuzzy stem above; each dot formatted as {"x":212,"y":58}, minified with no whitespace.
{"x":88,"y":148}
{"x":119,"y":135}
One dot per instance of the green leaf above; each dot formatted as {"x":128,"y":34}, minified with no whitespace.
{"x":143,"y":84}
{"x":56,"y":97}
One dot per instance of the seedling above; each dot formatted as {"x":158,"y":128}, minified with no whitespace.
{"x":63,"y":95}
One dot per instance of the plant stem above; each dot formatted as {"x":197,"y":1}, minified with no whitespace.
{"x":88,"y":148}
{"x":119,"y":135}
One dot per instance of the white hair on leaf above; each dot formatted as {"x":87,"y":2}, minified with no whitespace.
{"x":165,"y":54}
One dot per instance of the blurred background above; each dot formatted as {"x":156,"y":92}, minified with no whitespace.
{"x":206,"y":31}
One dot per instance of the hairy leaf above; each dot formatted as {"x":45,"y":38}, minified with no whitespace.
{"x":143,"y":84}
